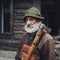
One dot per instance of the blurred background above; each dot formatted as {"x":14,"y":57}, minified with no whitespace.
{"x":12,"y":24}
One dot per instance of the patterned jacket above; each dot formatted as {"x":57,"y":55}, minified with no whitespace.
{"x":47,"y":50}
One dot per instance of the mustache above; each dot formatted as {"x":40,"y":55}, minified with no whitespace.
{"x":29,"y":25}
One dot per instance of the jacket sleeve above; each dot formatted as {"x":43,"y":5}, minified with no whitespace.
{"x":23,"y":40}
{"x":47,"y":51}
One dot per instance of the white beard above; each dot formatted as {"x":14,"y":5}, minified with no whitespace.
{"x":34,"y":28}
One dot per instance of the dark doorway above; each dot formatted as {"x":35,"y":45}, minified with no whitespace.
{"x":0,"y":14}
{"x":51,"y":11}
{"x":4,"y":16}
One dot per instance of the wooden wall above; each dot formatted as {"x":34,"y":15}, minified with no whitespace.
{"x":12,"y":41}
{"x":19,"y":9}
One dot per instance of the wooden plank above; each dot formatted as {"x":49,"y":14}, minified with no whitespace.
{"x":57,"y":42}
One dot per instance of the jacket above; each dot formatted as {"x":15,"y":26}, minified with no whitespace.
{"x":47,"y":50}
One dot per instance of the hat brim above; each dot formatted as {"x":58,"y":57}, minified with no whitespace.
{"x":33,"y":15}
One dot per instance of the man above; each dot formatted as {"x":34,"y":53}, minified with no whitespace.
{"x":33,"y":22}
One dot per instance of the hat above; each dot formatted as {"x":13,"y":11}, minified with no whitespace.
{"x":33,"y":12}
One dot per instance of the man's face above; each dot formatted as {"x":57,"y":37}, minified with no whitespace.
{"x":32,"y":24}
{"x":30,"y":21}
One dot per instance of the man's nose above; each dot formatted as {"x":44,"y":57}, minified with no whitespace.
{"x":28,"y":22}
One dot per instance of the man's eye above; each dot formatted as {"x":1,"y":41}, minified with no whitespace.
{"x":30,"y":19}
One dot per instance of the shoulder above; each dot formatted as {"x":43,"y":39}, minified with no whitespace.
{"x":25,"y":34}
{"x":48,"y":36}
